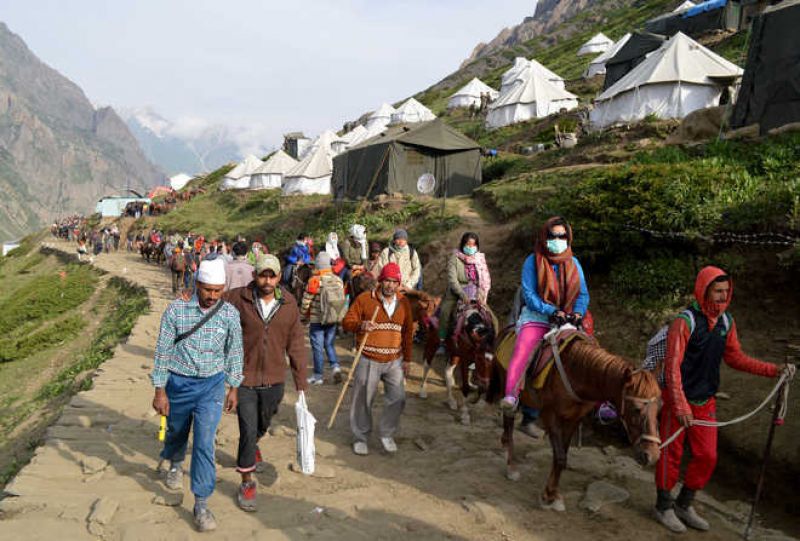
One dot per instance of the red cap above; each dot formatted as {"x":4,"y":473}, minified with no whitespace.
{"x":390,"y":271}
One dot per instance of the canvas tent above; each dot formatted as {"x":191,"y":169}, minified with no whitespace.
{"x":599,"y":43}
{"x":519,"y":72}
{"x":630,"y":55}
{"x":680,"y":77}
{"x":412,"y":111}
{"x":698,"y":19}
{"x":532,"y":97}
{"x":381,"y":117}
{"x":269,"y":174}
{"x":355,"y":136}
{"x":598,"y":65}
{"x":238,"y":178}
{"x":394,"y":161}
{"x":313,"y":174}
{"x":770,"y":90}
{"x":178,"y":181}
{"x":684,"y":6}
{"x":470,"y":94}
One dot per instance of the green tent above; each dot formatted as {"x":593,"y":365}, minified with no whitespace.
{"x":394,"y":160}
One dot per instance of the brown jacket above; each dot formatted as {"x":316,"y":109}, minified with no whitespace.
{"x":393,"y":337}
{"x":265,"y":350}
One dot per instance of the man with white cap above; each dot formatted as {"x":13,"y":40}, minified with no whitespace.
{"x":199,"y":349}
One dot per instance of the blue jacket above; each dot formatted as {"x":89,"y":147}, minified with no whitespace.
{"x":298,"y":253}
{"x":536,"y":309}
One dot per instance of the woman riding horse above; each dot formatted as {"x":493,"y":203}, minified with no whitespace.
{"x":554,"y":290}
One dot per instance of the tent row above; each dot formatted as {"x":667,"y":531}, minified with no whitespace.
{"x":254,"y":174}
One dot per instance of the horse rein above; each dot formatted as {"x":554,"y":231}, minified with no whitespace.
{"x":645,"y":403}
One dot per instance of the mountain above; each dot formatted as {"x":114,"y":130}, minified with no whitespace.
{"x":58,"y":153}
{"x":189,"y":146}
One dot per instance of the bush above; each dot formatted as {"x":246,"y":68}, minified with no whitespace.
{"x":653,"y":282}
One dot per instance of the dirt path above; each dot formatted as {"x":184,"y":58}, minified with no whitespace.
{"x":94,"y":476}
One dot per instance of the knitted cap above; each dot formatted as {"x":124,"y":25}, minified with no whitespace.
{"x":400,"y":234}
{"x":323,"y":261}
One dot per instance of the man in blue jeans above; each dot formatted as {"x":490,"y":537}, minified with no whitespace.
{"x":321,"y":335}
{"x":199,"y":349}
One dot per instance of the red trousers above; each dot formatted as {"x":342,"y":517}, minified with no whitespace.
{"x":702,"y":442}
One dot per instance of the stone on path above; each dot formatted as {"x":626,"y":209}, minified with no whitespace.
{"x":168,"y":499}
{"x":93,"y":464}
{"x":601,"y":493}
{"x":102,"y":513}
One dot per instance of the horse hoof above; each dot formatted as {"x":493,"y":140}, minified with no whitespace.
{"x":555,"y":505}
{"x":465,"y":420}
{"x":452,"y":404}
{"x":513,"y":475}
{"x":423,"y":394}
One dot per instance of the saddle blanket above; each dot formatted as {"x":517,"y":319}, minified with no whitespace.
{"x":541,"y":361}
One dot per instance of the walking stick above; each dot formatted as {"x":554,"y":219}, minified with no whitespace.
{"x":776,"y":420}
{"x":352,"y":371}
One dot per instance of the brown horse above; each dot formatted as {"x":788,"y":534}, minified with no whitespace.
{"x":595,"y":375}
{"x":471,"y":345}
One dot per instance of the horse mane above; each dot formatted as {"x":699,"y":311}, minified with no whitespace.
{"x":589,"y":362}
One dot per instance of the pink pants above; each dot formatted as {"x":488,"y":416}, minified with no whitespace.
{"x":529,"y":336}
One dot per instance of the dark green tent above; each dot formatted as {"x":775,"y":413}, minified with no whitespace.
{"x":393,"y":161}
{"x":770,"y":90}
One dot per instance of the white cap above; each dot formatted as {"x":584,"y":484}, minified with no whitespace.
{"x":212,"y":272}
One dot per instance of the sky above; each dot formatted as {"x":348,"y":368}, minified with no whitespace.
{"x":267,"y":67}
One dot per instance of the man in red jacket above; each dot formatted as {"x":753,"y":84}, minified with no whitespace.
{"x":697,"y":342}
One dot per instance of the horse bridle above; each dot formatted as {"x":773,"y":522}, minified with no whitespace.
{"x":645,"y":404}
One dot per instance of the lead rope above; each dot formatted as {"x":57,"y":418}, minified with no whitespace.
{"x":781,"y":386}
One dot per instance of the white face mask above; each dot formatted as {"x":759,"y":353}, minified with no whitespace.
{"x":556,"y":246}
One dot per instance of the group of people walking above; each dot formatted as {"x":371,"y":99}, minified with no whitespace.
{"x":241,"y":323}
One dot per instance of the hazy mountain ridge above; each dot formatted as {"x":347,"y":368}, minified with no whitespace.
{"x":58,"y":154}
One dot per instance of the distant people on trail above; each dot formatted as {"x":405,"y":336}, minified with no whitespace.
{"x":263,"y":304}
{"x":386,"y":357}
{"x":332,"y":248}
{"x":199,"y":350}
{"x":355,"y":252}
{"x":323,"y":307}
{"x":401,"y":252}
{"x":129,"y":237}
{"x":698,"y":340}
{"x":180,"y":262}
{"x":373,"y":264}
{"x":81,"y":249}
{"x":299,"y":255}
{"x":256,"y":249}
{"x":468,"y":281}
{"x":553,"y":290}
{"x":239,"y":272}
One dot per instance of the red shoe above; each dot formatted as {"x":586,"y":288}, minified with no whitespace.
{"x":246,"y":498}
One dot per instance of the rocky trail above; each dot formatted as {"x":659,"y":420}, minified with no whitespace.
{"x":95,"y":474}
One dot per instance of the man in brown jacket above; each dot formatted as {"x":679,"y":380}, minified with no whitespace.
{"x":386,"y":357}
{"x":271,"y":330}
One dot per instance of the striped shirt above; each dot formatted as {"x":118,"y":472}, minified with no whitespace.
{"x":214,"y":348}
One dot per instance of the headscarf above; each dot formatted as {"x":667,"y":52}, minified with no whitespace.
{"x":332,"y":245}
{"x":359,"y":233}
{"x":704,"y":279}
{"x":478,"y":261}
{"x":563,"y":288}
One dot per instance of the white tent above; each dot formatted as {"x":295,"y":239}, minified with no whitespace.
{"x":270,"y":174}
{"x":534,"y":97}
{"x":238,"y":178}
{"x":683,"y":7}
{"x":598,"y":65}
{"x":470,"y":94}
{"x":519,"y":72}
{"x":178,"y":181}
{"x":381,"y":118}
{"x":599,"y":43}
{"x":313,"y":174}
{"x":355,"y":136}
{"x":412,"y":111}
{"x":678,"y":78}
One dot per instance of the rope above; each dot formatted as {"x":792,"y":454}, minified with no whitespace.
{"x":725,"y":237}
{"x":784,"y":389}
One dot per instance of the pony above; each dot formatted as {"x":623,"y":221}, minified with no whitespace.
{"x":593,"y":375}
{"x":472,"y":344}
{"x":300,"y":277}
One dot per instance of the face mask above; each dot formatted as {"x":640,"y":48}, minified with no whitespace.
{"x":556,"y":246}
{"x":470,"y":250}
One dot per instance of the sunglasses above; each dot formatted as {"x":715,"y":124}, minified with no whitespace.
{"x":557,"y":236}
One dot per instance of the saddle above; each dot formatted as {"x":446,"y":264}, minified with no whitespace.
{"x":541,"y":361}
{"x":476,"y":317}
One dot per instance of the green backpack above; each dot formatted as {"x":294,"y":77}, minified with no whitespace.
{"x":333,"y":302}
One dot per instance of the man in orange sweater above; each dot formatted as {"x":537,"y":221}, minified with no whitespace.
{"x":386,"y":357}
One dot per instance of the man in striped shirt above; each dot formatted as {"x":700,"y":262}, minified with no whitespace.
{"x":199,"y":349}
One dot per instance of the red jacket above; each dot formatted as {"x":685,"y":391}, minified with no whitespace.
{"x":678,"y":337}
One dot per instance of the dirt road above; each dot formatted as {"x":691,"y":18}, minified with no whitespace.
{"x":94,"y":476}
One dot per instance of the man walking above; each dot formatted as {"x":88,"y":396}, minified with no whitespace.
{"x":323,"y":307}
{"x":239,"y":272}
{"x":199,"y":349}
{"x":272,"y":331}
{"x":386,"y":357}
{"x":406,"y":257}
{"x":299,"y":255}
{"x":699,"y":339}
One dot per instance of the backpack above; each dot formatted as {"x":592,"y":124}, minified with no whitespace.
{"x":178,"y":261}
{"x":333,"y":303}
{"x":657,"y":345}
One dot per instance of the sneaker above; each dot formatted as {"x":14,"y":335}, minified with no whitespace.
{"x":259,"y":461}
{"x":204,"y":520}
{"x":360,"y":448}
{"x":315,"y":380}
{"x":530,"y":429}
{"x":508,"y":405}
{"x":246,"y":497}
{"x":174,"y":478}
{"x":337,"y":374}
{"x":670,"y":521}
{"x":690,"y":517}
{"x":389,"y":445}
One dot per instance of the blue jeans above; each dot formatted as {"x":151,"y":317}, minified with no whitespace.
{"x":322,"y":337}
{"x":197,"y":400}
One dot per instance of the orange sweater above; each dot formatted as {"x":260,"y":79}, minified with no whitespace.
{"x":392,"y":338}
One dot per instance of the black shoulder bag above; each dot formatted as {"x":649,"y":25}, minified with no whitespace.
{"x":211,"y":313}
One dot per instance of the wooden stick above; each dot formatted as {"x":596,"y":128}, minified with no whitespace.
{"x":352,"y":370}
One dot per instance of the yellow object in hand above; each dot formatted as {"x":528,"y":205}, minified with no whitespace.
{"x":162,"y":430}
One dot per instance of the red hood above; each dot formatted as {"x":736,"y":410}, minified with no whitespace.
{"x":704,"y":279}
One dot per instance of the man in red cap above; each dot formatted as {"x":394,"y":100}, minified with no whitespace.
{"x":386,"y":357}
{"x":699,"y":339}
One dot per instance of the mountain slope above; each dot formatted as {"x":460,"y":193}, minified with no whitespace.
{"x":58,"y":154}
